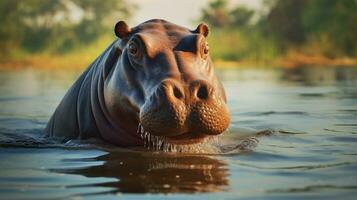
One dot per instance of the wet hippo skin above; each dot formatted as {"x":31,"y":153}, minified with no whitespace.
{"x":158,"y":76}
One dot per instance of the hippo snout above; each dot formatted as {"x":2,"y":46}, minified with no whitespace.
{"x":193,"y":109}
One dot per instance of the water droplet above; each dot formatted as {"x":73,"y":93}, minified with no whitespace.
{"x":160,"y":143}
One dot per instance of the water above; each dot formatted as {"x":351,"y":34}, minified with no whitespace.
{"x":312,"y":153}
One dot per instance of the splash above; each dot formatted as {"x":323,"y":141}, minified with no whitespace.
{"x":210,"y":144}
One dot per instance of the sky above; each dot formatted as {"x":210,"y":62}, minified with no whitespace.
{"x":181,"y":12}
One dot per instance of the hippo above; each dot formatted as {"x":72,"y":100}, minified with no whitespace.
{"x":155,"y":81}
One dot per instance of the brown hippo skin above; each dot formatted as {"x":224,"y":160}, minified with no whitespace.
{"x":158,"y":75}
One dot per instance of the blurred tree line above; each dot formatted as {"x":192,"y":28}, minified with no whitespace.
{"x":79,"y":27}
{"x":56,"y":25}
{"x":217,"y":14}
{"x":326,"y":26}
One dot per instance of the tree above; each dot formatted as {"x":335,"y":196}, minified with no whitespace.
{"x":216,"y":14}
{"x":335,"y":19}
{"x":284,"y":20}
{"x":57,"y":24}
{"x":240,"y":16}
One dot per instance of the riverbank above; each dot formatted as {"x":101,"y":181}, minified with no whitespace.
{"x":81,"y":60}
{"x":291,"y":61}
{"x":221,"y":53}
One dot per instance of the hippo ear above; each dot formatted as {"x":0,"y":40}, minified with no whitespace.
{"x":202,"y":29}
{"x":122,"y":30}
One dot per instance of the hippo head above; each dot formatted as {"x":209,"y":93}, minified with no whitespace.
{"x":164,"y":82}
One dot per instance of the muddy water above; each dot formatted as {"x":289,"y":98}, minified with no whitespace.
{"x":312,"y":112}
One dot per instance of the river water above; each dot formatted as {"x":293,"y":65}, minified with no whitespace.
{"x":312,"y":153}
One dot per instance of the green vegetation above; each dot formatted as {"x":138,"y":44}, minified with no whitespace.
{"x":242,"y":45}
{"x":292,"y":32}
{"x":284,"y":32}
{"x":39,"y":32}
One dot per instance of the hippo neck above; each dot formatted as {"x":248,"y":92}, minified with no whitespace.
{"x":109,"y":129}
{"x":82,"y":113}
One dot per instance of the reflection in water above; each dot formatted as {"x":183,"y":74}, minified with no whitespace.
{"x":157,"y":172}
{"x":312,"y":76}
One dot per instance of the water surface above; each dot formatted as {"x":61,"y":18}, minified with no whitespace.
{"x":312,"y":153}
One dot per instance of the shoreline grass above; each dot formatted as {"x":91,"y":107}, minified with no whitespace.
{"x":81,"y":60}
{"x":227,"y":51}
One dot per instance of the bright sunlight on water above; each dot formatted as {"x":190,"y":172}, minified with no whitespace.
{"x":312,"y":153}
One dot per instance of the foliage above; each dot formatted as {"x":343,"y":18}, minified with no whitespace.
{"x":54,"y":29}
{"x":301,"y":22}
{"x":218,"y":15}
{"x":335,"y":20}
{"x":284,"y":20}
{"x":316,"y":27}
{"x":56,"y":25}
{"x":240,"y":17}
{"x":247,"y":45}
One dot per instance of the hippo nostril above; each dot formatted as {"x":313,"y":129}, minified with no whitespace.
{"x":202,"y":93}
{"x":177,"y":93}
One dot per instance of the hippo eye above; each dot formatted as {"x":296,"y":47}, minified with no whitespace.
{"x":133,"y":48}
{"x":205,"y":50}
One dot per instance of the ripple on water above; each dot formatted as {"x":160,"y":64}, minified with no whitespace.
{"x":301,"y":167}
{"x":349,"y":111}
{"x":312,"y":95}
{"x":315,"y":188}
{"x":346,"y":124}
{"x":346,"y":139}
{"x":339,"y":131}
{"x":267,"y":113}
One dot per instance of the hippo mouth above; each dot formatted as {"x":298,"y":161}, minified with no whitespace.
{"x":172,"y":143}
{"x":187,"y":138}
